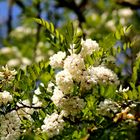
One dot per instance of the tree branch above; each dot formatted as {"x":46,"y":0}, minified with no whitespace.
{"x":132,"y":4}
{"x":9,"y":21}
{"x":20,"y":4}
{"x":78,"y":10}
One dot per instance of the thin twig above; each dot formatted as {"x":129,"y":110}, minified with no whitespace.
{"x":9,"y":21}
{"x":130,"y":4}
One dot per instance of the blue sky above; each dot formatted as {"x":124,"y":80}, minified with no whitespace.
{"x":4,"y":11}
{"x":4,"y":16}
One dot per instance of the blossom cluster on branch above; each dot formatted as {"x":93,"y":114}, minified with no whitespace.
{"x":71,"y":82}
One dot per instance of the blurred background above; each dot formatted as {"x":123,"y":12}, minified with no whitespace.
{"x":23,"y":42}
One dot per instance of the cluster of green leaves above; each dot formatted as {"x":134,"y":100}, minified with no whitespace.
{"x":65,"y":39}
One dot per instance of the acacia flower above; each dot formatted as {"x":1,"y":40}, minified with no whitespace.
{"x":5,"y":97}
{"x":88,"y":47}
{"x":64,"y":81}
{"x":56,"y":61}
{"x":103,"y":75}
{"x":75,"y":65}
{"x":53,"y":124}
{"x":7,"y":74}
{"x":10,"y":126}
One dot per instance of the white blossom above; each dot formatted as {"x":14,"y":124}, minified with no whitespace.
{"x":25,"y":61}
{"x":72,"y":105}
{"x":50,"y":87}
{"x":7,"y":74}
{"x":53,"y":124}
{"x":10,"y":50}
{"x":88,"y":47}
{"x":5,"y":50}
{"x":10,"y":126}
{"x":64,"y":81}
{"x":37,"y":91}
{"x":108,"y":106}
{"x":103,"y":75}
{"x":87,"y":81}
{"x":39,"y":58}
{"x":122,"y":90}
{"x":125,"y":12}
{"x":64,"y":113}
{"x":74,"y":64}
{"x":13,"y":62}
{"x":5,"y":97}
{"x":138,"y":55}
{"x":36,"y":102}
{"x":56,"y":60}
{"x":50,"y":52}
{"x":57,"y":96}
{"x":22,"y":31}
{"x":110,"y":25}
{"x":125,"y":15}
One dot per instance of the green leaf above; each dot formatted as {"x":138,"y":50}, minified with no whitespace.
{"x":128,"y":28}
{"x":69,"y":32}
{"x":77,"y":51}
{"x":31,"y":72}
{"x":51,"y":29}
{"x":117,"y":35}
{"x":77,"y":42}
{"x":108,"y":42}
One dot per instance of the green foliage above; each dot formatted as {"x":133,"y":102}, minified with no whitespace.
{"x":50,"y":29}
{"x":69,"y":38}
{"x":111,"y":112}
{"x":32,"y":73}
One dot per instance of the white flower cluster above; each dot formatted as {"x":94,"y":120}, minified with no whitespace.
{"x":10,"y":126}
{"x":125,"y":12}
{"x":72,"y":105}
{"x":53,"y":124}
{"x":5,"y":97}
{"x":10,"y":50}
{"x":63,"y":80}
{"x":17,"y":59}
{"x":37,"y":91}
{"x":57,"y":96}
{"x":74,"y":74}
{"x":107,"y":107}
{"x":125,"y":15}
{"x":22,"y":61}
{"x":6,"y":74}
{"x":75,"y":65}
{"x":103,"y":74}
{"x":88,"y":47}
{"x":56,"y":60}
{"x":87,"y":81}
{"x":22,"y":31}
